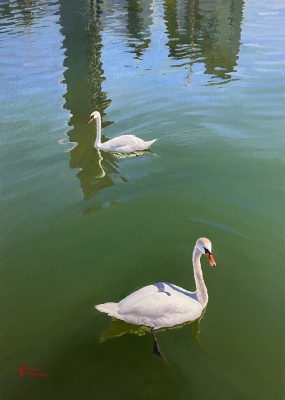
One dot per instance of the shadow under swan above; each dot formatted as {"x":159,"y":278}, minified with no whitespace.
{"x":119,"y":328}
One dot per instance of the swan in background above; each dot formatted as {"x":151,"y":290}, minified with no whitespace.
{"x":120,"y":144}
{"x":163,"y":304}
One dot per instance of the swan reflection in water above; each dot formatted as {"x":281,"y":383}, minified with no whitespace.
{"x":119,"y":328}
{"x":164,"y":305}
{"x":100,"y":172}
{"x":138,"y":153}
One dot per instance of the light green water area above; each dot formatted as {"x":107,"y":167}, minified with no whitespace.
{"x":79,"y":228}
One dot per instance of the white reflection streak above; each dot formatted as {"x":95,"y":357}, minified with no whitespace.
{"x":103,"y":173}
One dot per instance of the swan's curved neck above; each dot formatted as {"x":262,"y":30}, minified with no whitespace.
{"x":201,"y":289}
{"x":97,"y":143}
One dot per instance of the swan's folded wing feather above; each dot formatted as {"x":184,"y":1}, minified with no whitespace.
{"x":124,"y":140}
{"x":159,"y":300}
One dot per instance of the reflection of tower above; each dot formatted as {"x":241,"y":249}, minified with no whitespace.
{"x":84,"y":77}
{"x":208,"y":31}
{"x":179,"y":23}
{"x":138,"y":21}
{"x":95,"y":71}
{"x":128,"y":19}
{"x":220,"y":30}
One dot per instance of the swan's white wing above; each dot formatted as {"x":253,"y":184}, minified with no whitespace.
{"x":125,"y":144}
{"x":159,"y":305}
{"x":124,"y":140}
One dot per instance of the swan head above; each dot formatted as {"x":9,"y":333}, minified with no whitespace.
{"x":94,"y":115}
{"x":205,"y":246}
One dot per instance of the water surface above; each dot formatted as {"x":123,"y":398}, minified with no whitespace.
{"x":81,"y":227}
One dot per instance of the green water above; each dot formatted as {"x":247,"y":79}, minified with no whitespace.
{"x":80,"y":228}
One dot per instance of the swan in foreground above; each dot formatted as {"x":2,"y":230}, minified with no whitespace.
{"x":163,"y":304}
{"x":120,"y":144}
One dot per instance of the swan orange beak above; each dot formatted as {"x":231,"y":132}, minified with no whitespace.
{"x":90,"y":120}
{"x":211,"y":259}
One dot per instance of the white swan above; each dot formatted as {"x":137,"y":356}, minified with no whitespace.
{"x":120,"y":144}
{"x":164,"y":304}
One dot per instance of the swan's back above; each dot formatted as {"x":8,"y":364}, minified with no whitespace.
{"x":126,"y":144}
{"x":158,"y":305}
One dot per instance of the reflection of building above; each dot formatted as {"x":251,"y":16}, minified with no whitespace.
{"x":198,"y":31}
{"x":205,"y":31}
{"x":138,"y":21}
{"x":129,"y":19}
{"x":83,"y":24}
{"x":23,"y":13}
{"x":180,"y":21}
{"x":84,"y":77}
{"x":221,"y":35}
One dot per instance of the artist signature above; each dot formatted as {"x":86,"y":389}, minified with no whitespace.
{"x":33,"y":372}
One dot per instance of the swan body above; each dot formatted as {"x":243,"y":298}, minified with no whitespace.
{"x":120,"y":144}
{"x":164,"y":304}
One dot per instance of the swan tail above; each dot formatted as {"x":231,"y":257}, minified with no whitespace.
{"x":150,"y":143}
{"x":108,"y":308}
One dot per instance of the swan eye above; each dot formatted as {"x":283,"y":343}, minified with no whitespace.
{"x":207,"y":251}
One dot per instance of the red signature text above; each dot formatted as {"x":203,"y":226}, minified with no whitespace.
{"x":33,"y":372}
